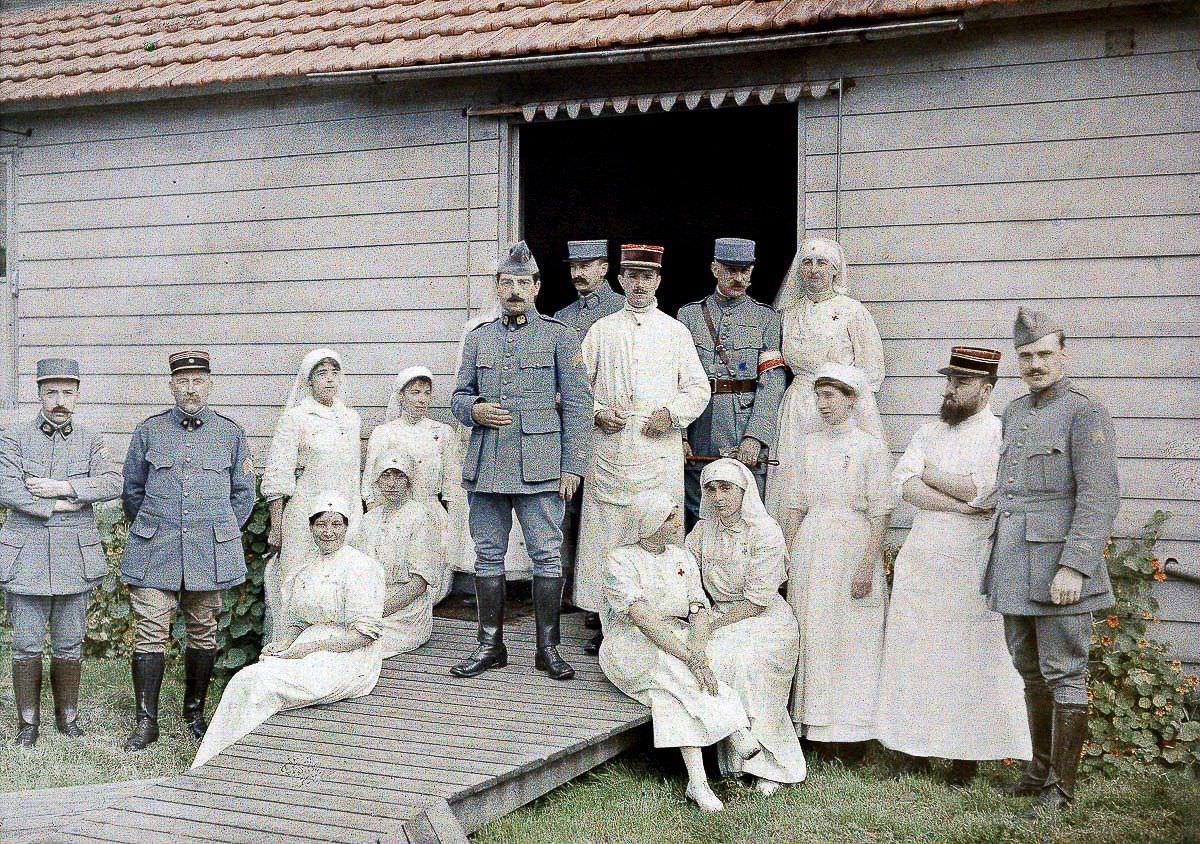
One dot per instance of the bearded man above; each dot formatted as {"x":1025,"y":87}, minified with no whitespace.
{"x":948,"y":688}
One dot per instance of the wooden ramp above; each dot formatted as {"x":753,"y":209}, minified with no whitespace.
{"x":426,"y":757}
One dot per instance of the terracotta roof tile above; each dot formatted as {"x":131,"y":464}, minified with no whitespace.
{"x":131,"y":45}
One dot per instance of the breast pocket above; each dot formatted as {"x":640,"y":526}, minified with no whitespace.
{"x":537,"y":374}
{"x":487,"y":374}
{"x":213,"y":480}
{"x":1047,"y":466}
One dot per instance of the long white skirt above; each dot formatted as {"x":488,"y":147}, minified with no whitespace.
{"x":948,"y":688}
{"x":837,"y":677}
{"x":408,"y":628}
{"x":273,"y":685}
{"x":757,"y":657}
{"x":682,"y":714}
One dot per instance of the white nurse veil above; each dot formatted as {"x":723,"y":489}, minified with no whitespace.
{"x":301,"y":389}
{"x":754,"y":513}
{"x":791,"y":292}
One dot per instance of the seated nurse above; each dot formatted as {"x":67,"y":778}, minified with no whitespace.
{"x":329,"y":647}
{"x":657,"y":624}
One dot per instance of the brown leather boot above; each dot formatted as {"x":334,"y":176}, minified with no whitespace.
{"x":64,"y":681}
{"x":27,"y":689}
{"x":1069,"y":734}
{"x":1039,"y":709}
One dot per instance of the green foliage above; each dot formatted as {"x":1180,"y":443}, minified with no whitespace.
{"x":1140,"y":699}
{"x":239,"y":628}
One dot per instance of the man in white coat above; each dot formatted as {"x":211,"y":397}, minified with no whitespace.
{"x":948,"y":688}
{"x":649,"y":385}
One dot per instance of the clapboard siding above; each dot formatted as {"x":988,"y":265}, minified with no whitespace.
{"x":1049,"y":174}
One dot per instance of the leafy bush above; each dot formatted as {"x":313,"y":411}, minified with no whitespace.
{"x":1140,"y":699}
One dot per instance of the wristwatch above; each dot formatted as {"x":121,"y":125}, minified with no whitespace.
{"x":695,"y":607}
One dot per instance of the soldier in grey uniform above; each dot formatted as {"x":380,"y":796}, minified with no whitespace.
{"x":525,"y":454}
{"x":51,"y":472}
{"x":738,"y":341}
{"x":189,"y":488}
{"x":588,"y":262}
{"x":1057,"y":497}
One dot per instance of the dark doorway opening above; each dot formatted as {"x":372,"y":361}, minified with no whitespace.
{"x":679,"y":180}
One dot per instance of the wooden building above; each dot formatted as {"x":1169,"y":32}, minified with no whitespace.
{"x":256,"y":177}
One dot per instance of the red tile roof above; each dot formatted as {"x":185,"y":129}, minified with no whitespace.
{"x":130,"y":45}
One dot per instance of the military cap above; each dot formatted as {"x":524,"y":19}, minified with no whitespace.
{"x":735,"y":251}
{"x":641,"y":256}
{"x":57,"y":368}
{"x":1031,"y":326}
{"x":518,"y":261}
{"x":182,"y":361}
{"x":587,"y":250}
{"x":972,"y":362}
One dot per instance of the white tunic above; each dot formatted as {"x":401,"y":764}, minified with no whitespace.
{"x":406,"y":540}
{"x":315,"y":449}
{"x":683,"y":714}
{"x":437,"y":450}
{"x":638,"y":363}
{"x":844,"y":477}
{"x":836,"y":330}
{"x":756,"y":656}
{"x":343,"y":591}
{"x":949,"y":688}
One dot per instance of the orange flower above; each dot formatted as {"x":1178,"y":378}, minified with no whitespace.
{"x":1105,"y":641}
{"x":1160,"y":575}
{"x":1112,"y":621}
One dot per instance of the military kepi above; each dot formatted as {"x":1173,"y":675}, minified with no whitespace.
{"x":184,"y":361}
{"x":1031,"y":326}
{"x":587,"y":250}
{"x":734,"y":251}
{"x":972,"y":362}
{"x":57,"y":369}
{"x":519,"y":261}
{"x":641,"y":256}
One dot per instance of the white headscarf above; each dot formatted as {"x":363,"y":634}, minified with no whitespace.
{"x":792,"y":291}
{"x":406,"y":377}
{"x":854,"y":378}
{"x":753,"y":513}
{"x":650,"y":510}
{"x":330,"y":501}
{"x":301,"y":388}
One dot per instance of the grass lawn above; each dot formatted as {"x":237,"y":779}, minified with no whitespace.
{"x":639,"y":798}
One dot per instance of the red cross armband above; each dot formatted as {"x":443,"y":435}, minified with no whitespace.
{"x":769,"y":360}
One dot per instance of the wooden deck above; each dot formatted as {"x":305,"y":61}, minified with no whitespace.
{"x":426,"y":757}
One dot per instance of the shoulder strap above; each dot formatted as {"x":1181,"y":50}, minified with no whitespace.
{"x":712,"y":330}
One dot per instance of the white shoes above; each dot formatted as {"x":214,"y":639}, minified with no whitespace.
{"x":766,"y":786}
{"x":745,"y":745}
{"x":702,"y":795}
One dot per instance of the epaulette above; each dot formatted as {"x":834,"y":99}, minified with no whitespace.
{"x":482,"y":324}
{"x":156,"y":415}
{"x":232,"y":422}
{"x":554,"y":320}
{"x":689,"y":304}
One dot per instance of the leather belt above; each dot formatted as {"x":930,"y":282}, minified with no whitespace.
{"x":725,"y":385}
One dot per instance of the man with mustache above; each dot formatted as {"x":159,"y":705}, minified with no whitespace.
{"x":189,"y":488}
{"x":649,"y":386}
{"x":52,"y":470}
{"x":738,"y":340}
{"x":1056,"y":500}
{"x":948,"y":689}
{"x":587,"y":261}
{"x":527,"y":454}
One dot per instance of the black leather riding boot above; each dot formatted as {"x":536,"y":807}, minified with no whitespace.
{"x":547,"y":604}
{"x":1039,"y":709}
{"x":491,"y":653}
{"x":27,"y":690}
{"x":198,"y":669}
{"x":1069,"y":733}
{"x":64,"y":681}
{"x":147,"y":682}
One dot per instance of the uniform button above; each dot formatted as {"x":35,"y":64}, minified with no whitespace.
{"x":1007,"y":513}
{"x":1008,"y":495}
{"x":184,"y":530}
{"x":1012,"y":480}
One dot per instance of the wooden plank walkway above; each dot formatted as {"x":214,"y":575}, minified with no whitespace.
{"x":425,"y":757}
